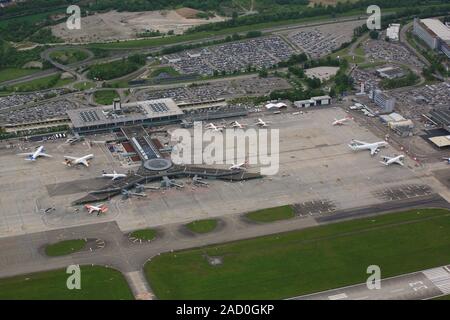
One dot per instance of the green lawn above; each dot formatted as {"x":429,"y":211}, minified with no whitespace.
{"x":202,"y":226}
{"x":144,"y":234}
{"x":306,"y":261}
{"x":169,"y":70}
{"x":271,"y":214}
{"x":68,"y":56}
{"x":344,"y":54}
{"x":84,"y":85}
{"x":442,"y":298}
{"x":65,"y":247}
{"x":105,"y":97}
{"x":14,"y":73}
{"x":49,"y":82}
{"x":97,"y":283}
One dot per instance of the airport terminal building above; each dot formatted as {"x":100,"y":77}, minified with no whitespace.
{"x":147,"y":113}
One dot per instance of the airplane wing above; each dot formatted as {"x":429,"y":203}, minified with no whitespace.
{"x":359,"y":142}
{"x":84,"y":162}
{"x":45,"y":155}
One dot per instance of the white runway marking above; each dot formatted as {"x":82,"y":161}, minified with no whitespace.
{"x":338,"y":296}
{"x":440,"y":278}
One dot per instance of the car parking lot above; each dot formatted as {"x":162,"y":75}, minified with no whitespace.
{"x":366,"y":76}
{"x":414,"y":102}
{"x":248,"y":86}
{"x":322,"y":40}
{"x":54,"y":109}
{"x":391,"y":52}
{"x":235,"y":56}
{"x":21,"y":99}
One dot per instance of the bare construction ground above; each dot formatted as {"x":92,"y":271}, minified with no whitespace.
{"x":317,"y":171}
{"x":113,"y":25}
{"x":322,"y":73}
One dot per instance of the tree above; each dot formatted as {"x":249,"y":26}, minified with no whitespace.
{"x":263,"y":73}
{"x":374,"y":34}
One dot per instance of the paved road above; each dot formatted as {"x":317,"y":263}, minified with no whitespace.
{"x":123,"y":52}
{"x":24,"y":254}
{"x":415,"y":286}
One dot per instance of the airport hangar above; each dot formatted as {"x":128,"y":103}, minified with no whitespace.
{"x":130,"y":119}
{"x":441,"y":119}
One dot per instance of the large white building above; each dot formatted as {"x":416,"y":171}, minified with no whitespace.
{"x":386,"y":103}
{"x":434,"y":33}
{"x":393,"y":32}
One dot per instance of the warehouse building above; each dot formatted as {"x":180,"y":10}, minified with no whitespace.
{"x":390,"y":73}
{"x":434,"y":33}
{"x":440,"y":118}
{"x":441,"y":141}
{"x":314,"y":101}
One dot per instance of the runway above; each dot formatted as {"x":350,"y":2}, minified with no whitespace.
{"x":421,"y":285}
{"x":24,"y":254}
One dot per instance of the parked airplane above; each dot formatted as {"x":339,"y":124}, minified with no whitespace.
{"x":199,"y":181}
{"x":262,"y":123}
{"x":70,"y":161}
{"x":32,"y":156}
{"x":341,"y":122}
{"x":114,"y":175}
{"x":447,"y":160}
{"x":374,"y":148}
{"x":168,"y":183}
{"x":390,"y":160}
{"x":237,"y":125}
{"x":213,"y":127}
{"x":240,"y":166}
{"x":99,"y":209}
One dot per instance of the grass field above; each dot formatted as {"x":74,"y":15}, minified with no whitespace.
{"x":14,"y":73}
{"x":442,"y":298}
{"x":49,"y":82}
{"x":97,"y":283}
{"x":168,"y":70}
{"x":144,"y":234}
{"x":202,"y":226}
{"x":271,"y":214}
{"x":66,"y":247}
{"x":105,"y":97}
{"x":68,"y":56}
{"x":306,"y":261}
{"x":84,"y":85}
